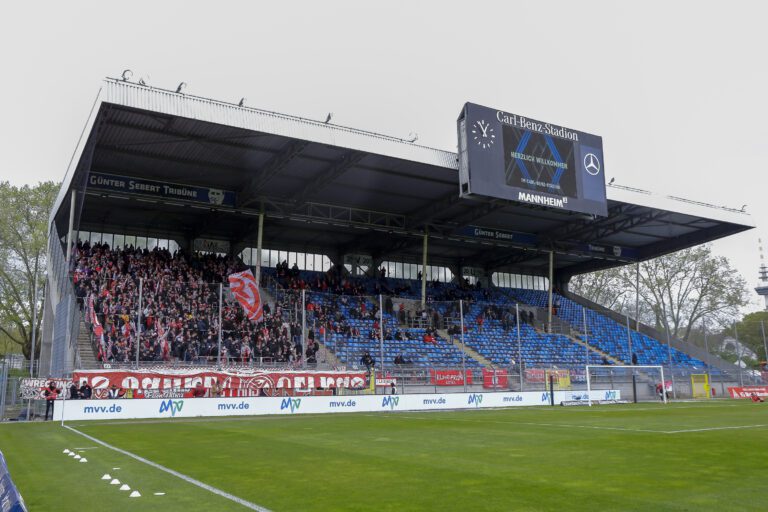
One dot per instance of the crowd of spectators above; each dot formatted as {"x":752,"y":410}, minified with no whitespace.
{"x":179,"y":318}
{"x":180,"y":308}
{"x":333,"y":281}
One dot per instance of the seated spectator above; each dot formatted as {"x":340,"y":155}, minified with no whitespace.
{"x":74,"y":391}
{"x":85,"y":391}
{"x":311,"y":353}
{"x":115,"y":392}
{"x":368,"y":361}
{"x":199,"y":391}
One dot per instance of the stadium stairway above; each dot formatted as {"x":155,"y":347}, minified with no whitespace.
{"x":85,"y":347}
{"x":596,"y":350}
{"x":443,"y":333}
{"x":266,"y":296}
{"x":325,"y":356}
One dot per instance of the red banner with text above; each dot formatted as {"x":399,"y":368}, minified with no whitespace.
{"x":449,"y":377}
{"x":747,"y":391}
{"x":495,"y":379}
{"x":148,"y":383}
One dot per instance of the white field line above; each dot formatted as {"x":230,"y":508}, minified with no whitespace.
{"x":534,"y":424}
{"x":204,"y":419}
{"x":268,"y":417}
{"x":613,"y":408}
{"x":201,"y":419}
{"x":592,"y":427}
{"x":714,"y":428}
{"x":547,"y":409}
{"x":182,"y":476}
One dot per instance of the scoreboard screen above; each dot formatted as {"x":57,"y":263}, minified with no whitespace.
{"x":513,"y":157}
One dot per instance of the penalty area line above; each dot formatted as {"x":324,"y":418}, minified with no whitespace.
{"x":182,"y":476}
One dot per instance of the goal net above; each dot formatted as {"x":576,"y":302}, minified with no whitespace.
{"x":634,"y":383}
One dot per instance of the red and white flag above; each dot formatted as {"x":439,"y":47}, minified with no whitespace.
{"x":162,"y":335}
{"x":245,"y":290}
{"x":98,"y":330}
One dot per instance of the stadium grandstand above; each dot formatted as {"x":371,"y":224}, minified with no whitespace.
{"x":361,"y":244}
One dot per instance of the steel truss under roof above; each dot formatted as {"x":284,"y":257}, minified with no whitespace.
{"x":335,"y":190}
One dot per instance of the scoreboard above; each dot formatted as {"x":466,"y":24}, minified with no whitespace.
{"x":508,"y":156}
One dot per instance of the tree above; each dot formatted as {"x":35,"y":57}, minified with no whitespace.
{"x":23,"y":244}
{"x":606,"y":288}
{"x":676,"y":291}
{"x":750,"y":332}
{"x":691,"y":285}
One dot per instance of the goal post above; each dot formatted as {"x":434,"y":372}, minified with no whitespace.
{"x":650,"y":376}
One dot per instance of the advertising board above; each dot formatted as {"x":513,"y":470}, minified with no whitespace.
{"x":254,"y":406}
{"x":747,"y":391}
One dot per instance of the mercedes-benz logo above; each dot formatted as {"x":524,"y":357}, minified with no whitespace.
{"x":591,"y":164}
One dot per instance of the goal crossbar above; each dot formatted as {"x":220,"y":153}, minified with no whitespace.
{"x":629,"y":367}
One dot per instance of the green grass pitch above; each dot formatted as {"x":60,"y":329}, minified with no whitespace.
{"x":644,"y":457}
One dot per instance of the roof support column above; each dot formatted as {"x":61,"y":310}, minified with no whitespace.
{"x":258,"y":248}
{"x":637,"y":296}
{"x":375,"y":266}
{"x":551,"y":278}
{"x":424,"y":269}
{"x":337,"y":260}
{"x":70,"y":233}
{"x":456,"y":270}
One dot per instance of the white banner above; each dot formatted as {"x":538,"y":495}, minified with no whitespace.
{"x":253,"y":406}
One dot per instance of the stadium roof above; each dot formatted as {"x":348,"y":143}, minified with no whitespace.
{"x":336,"y":190}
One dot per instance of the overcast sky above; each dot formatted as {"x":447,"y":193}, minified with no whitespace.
{"x":676,"y":89}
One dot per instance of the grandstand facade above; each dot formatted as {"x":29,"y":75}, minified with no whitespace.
{"x":167,"y":194}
